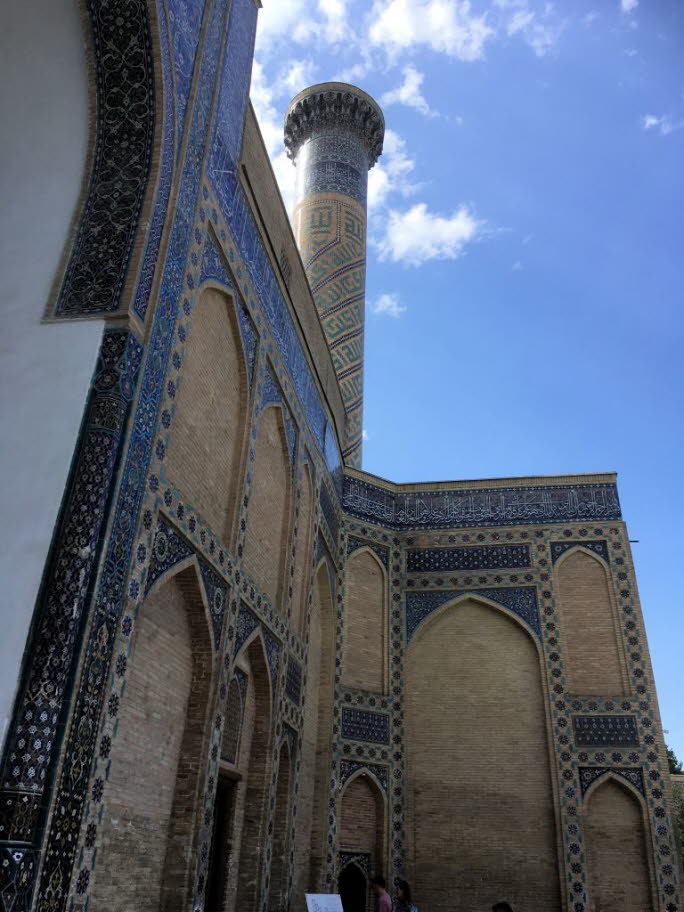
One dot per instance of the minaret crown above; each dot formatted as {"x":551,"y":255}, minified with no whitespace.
{"x":339,"y":105}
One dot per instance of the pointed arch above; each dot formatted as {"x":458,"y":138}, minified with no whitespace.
{"x":589,"y":629}
{"x":364,"y":663}
{"x":209,"y":422}
{"x":483,"y":712}
{"x":154,"y":795}
{"x":615,"y":827}
{"x":314,"y":792}
{"x":268,"y":517}
{"x":363,"y":818}
{"x":277,"y":897}
{"x":257,"y":775}
{"x":304,"y":544}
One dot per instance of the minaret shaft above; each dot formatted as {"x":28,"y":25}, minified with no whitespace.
{"x":334,"y":134}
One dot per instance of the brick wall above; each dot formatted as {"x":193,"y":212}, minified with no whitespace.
{"x":281,"y":830}
{"x":257,"y":774}
{"x":619,"y":879}
{"x":482,"y":825}
{"x":588,"y":627}
{"x":365,"y":654}
{"x":362,"y":821}
{"x":242,"y":768}
{"x":152,"y":793}
{"x":205,"y":448}
{"x":269,"y":507}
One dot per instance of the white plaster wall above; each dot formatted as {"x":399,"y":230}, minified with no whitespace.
{"x":45,"y":370}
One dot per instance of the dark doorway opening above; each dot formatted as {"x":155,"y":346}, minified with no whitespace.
{"x":220,"y":844}
{"x":353,"y":889}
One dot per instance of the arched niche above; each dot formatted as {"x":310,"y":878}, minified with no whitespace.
{"x":590,"y":635}
{"x":617,"y":847}
{"x":268,"y":516}
{"x":481,"y":804}
{"x":314,"y":790}
{"x":277,"y":897}
{"x":364,"y":663}
{"x":362,"y":819}
{"x":208,"y":424}
{"x":256,"y":771}
{"x":153,"y":799}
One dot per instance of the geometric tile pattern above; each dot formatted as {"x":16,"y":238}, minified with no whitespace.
{"x":521,"y":600}
{"x":334,"y":136}
{"x":633,"y":775}
{"x":475,"y":558}
{"x":97,"y":265}
{"x":364,"y":725}
{"x":596,"y":545}
{"x":354,"y":543}
{"x":599,"y":731}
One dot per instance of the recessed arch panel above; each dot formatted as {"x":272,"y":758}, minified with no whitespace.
{"x":207,"y":427}
{"x":365,"y":650}
{"x":482,"y":823}
{"x":589,"y":634}
{"x":617,"y":848}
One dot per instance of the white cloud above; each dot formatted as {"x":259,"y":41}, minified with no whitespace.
{"x":540,"y":31}
{"x":590,"y":18}
{"x":392,"y":174}
{"x":418,"y":235}
{"x":631,"y":52}
{"x":365,"y":435}
{"x":409,"y":93}
{"x":517,"y":266}
{"x":628,"y":6}
{"x":662,"y":124}
{"x":446,"y":26}
{"x":388,"y":305}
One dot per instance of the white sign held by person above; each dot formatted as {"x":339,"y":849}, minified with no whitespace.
{"x":323,"y":902}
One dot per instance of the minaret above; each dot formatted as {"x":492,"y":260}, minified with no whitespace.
{"x":334,"y":134}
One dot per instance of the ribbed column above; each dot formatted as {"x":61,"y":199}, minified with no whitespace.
{"x":334,"y":134}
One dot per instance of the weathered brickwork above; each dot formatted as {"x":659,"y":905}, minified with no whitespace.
{"x":365,"y":664}
{"x":288,"y":669}
{"x":209,"y":420}
{"x":589,"y":626}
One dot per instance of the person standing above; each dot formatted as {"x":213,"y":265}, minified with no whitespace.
{"x":384,"y":903}
{"x":402,"y":901}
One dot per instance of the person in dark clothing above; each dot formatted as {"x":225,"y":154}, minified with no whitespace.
{"x":502,"y":907}
{"x":402,"y":901}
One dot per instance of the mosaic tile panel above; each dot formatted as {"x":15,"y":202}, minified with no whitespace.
{"x":329,"y":513}
{"x":185,"y":17}
{"x":481,"y":507}
{"x":598,"y":731}
{"x":364,"y":725}
{"x":124,"y":81}
{"x":354,"y":543}
{"x":293,"y":680}
{"x":599,"y":547}
{"x":521,"y":600}
{"x":349,"y":767}
{"x":166,"y":167}
{"x":633,"y":775}
{"x":486,"y":557}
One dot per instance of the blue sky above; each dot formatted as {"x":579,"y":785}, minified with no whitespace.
{"x":525,"y":272}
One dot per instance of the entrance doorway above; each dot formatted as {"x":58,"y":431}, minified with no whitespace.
{"x":224,"y":806}
{"x":353,"y":888}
